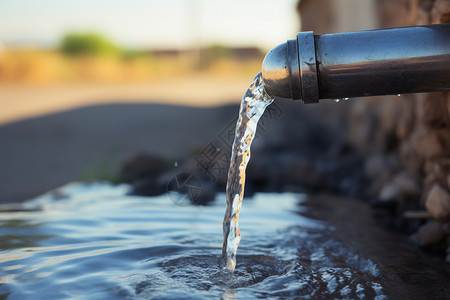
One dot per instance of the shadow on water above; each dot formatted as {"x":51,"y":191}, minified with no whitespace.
{"x":406,"y":271}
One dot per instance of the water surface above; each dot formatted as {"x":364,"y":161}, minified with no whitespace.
{"x":95,"y":242}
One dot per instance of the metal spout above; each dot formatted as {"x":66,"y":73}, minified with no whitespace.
{"x":357,"y":64}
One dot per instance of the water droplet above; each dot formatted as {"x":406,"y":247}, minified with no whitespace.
{"x":175,"y":164}
{"x":340,"y":99}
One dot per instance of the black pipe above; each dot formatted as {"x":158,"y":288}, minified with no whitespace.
{"x":356,"y":64}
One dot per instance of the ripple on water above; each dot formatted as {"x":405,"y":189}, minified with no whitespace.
{"x":257,"y":276}
{"x":149,"y":248}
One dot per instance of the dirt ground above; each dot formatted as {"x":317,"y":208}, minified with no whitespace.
{"x":50,"y":136}
{"x":20,"y":102}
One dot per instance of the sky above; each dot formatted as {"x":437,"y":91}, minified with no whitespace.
{"x":151,"y":23}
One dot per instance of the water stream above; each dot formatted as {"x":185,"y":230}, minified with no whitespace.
{"x":253,"y":104}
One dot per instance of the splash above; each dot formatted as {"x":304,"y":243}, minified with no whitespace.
{"x":253,"y":105}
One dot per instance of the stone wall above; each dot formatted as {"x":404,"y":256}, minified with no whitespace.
{"x":405,"y":141}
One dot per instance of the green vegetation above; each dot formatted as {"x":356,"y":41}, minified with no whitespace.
{"x":76,"y":44}
{"x":219,"y":51}
{"x":90,"y":57}
{"x":102,"y":170}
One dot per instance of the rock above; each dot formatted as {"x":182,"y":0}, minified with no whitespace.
{"x":142,"y":166}
{"x":438,"y":203}
{"x":390,"y":191}
{"x":362,"y":125}
{"x":379,"y":169}
{"x":316,"y":15}
{"x":184,"y":188}
{"x":388,"y":119}
{"x":297,"y":189}
{"x":143,"y":172}
{"x":433,"y":143}
{"x":432,"y":167}
{"x":409,"y":158}
{"x":375,"y":165}
{"x":448,"y":249}
{"x":446,"y":227}
{"x":402,"y":186}
{"x":435,"y":111}
{"x":381,"y":166}
{"x":276,"y":172}
{"x":422,"y":17}
{"x":394,"y":13}
{"x":437,"y":170}
{"x":419,"y":111}
{"x":448,"y":103}
{"x":422,"y":214}
{"x":303,"y":172}
{"x":376,"y":185}
{"x":440,"y":13}
{"x":147,"y":186}
{"x":376,"y":124}
{"x":408,"y":184}
{"x":429,"y":233}
{"x":428,"y":182}
{"x":405,"y":119}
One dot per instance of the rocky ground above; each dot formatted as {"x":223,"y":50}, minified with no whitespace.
{"x":403,"y":142}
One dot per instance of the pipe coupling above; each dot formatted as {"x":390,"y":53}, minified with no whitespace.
{"x":290,"y":69}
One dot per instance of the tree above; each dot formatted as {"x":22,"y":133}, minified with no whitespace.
{"x":87,"y":44}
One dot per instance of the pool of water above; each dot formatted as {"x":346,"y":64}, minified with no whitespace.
{"x":94,"y":241}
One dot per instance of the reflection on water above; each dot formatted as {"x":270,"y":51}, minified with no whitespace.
{"x":98,"y":243}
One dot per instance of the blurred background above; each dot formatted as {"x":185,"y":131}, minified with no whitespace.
{"x":108,"y":49}
{"x":84,"y":52}
{"x":77,"y":79}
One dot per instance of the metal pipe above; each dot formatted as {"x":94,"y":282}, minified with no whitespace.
{"x":356,"y":64}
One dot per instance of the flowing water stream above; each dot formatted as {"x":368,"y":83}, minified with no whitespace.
{"x":252,"y":108}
